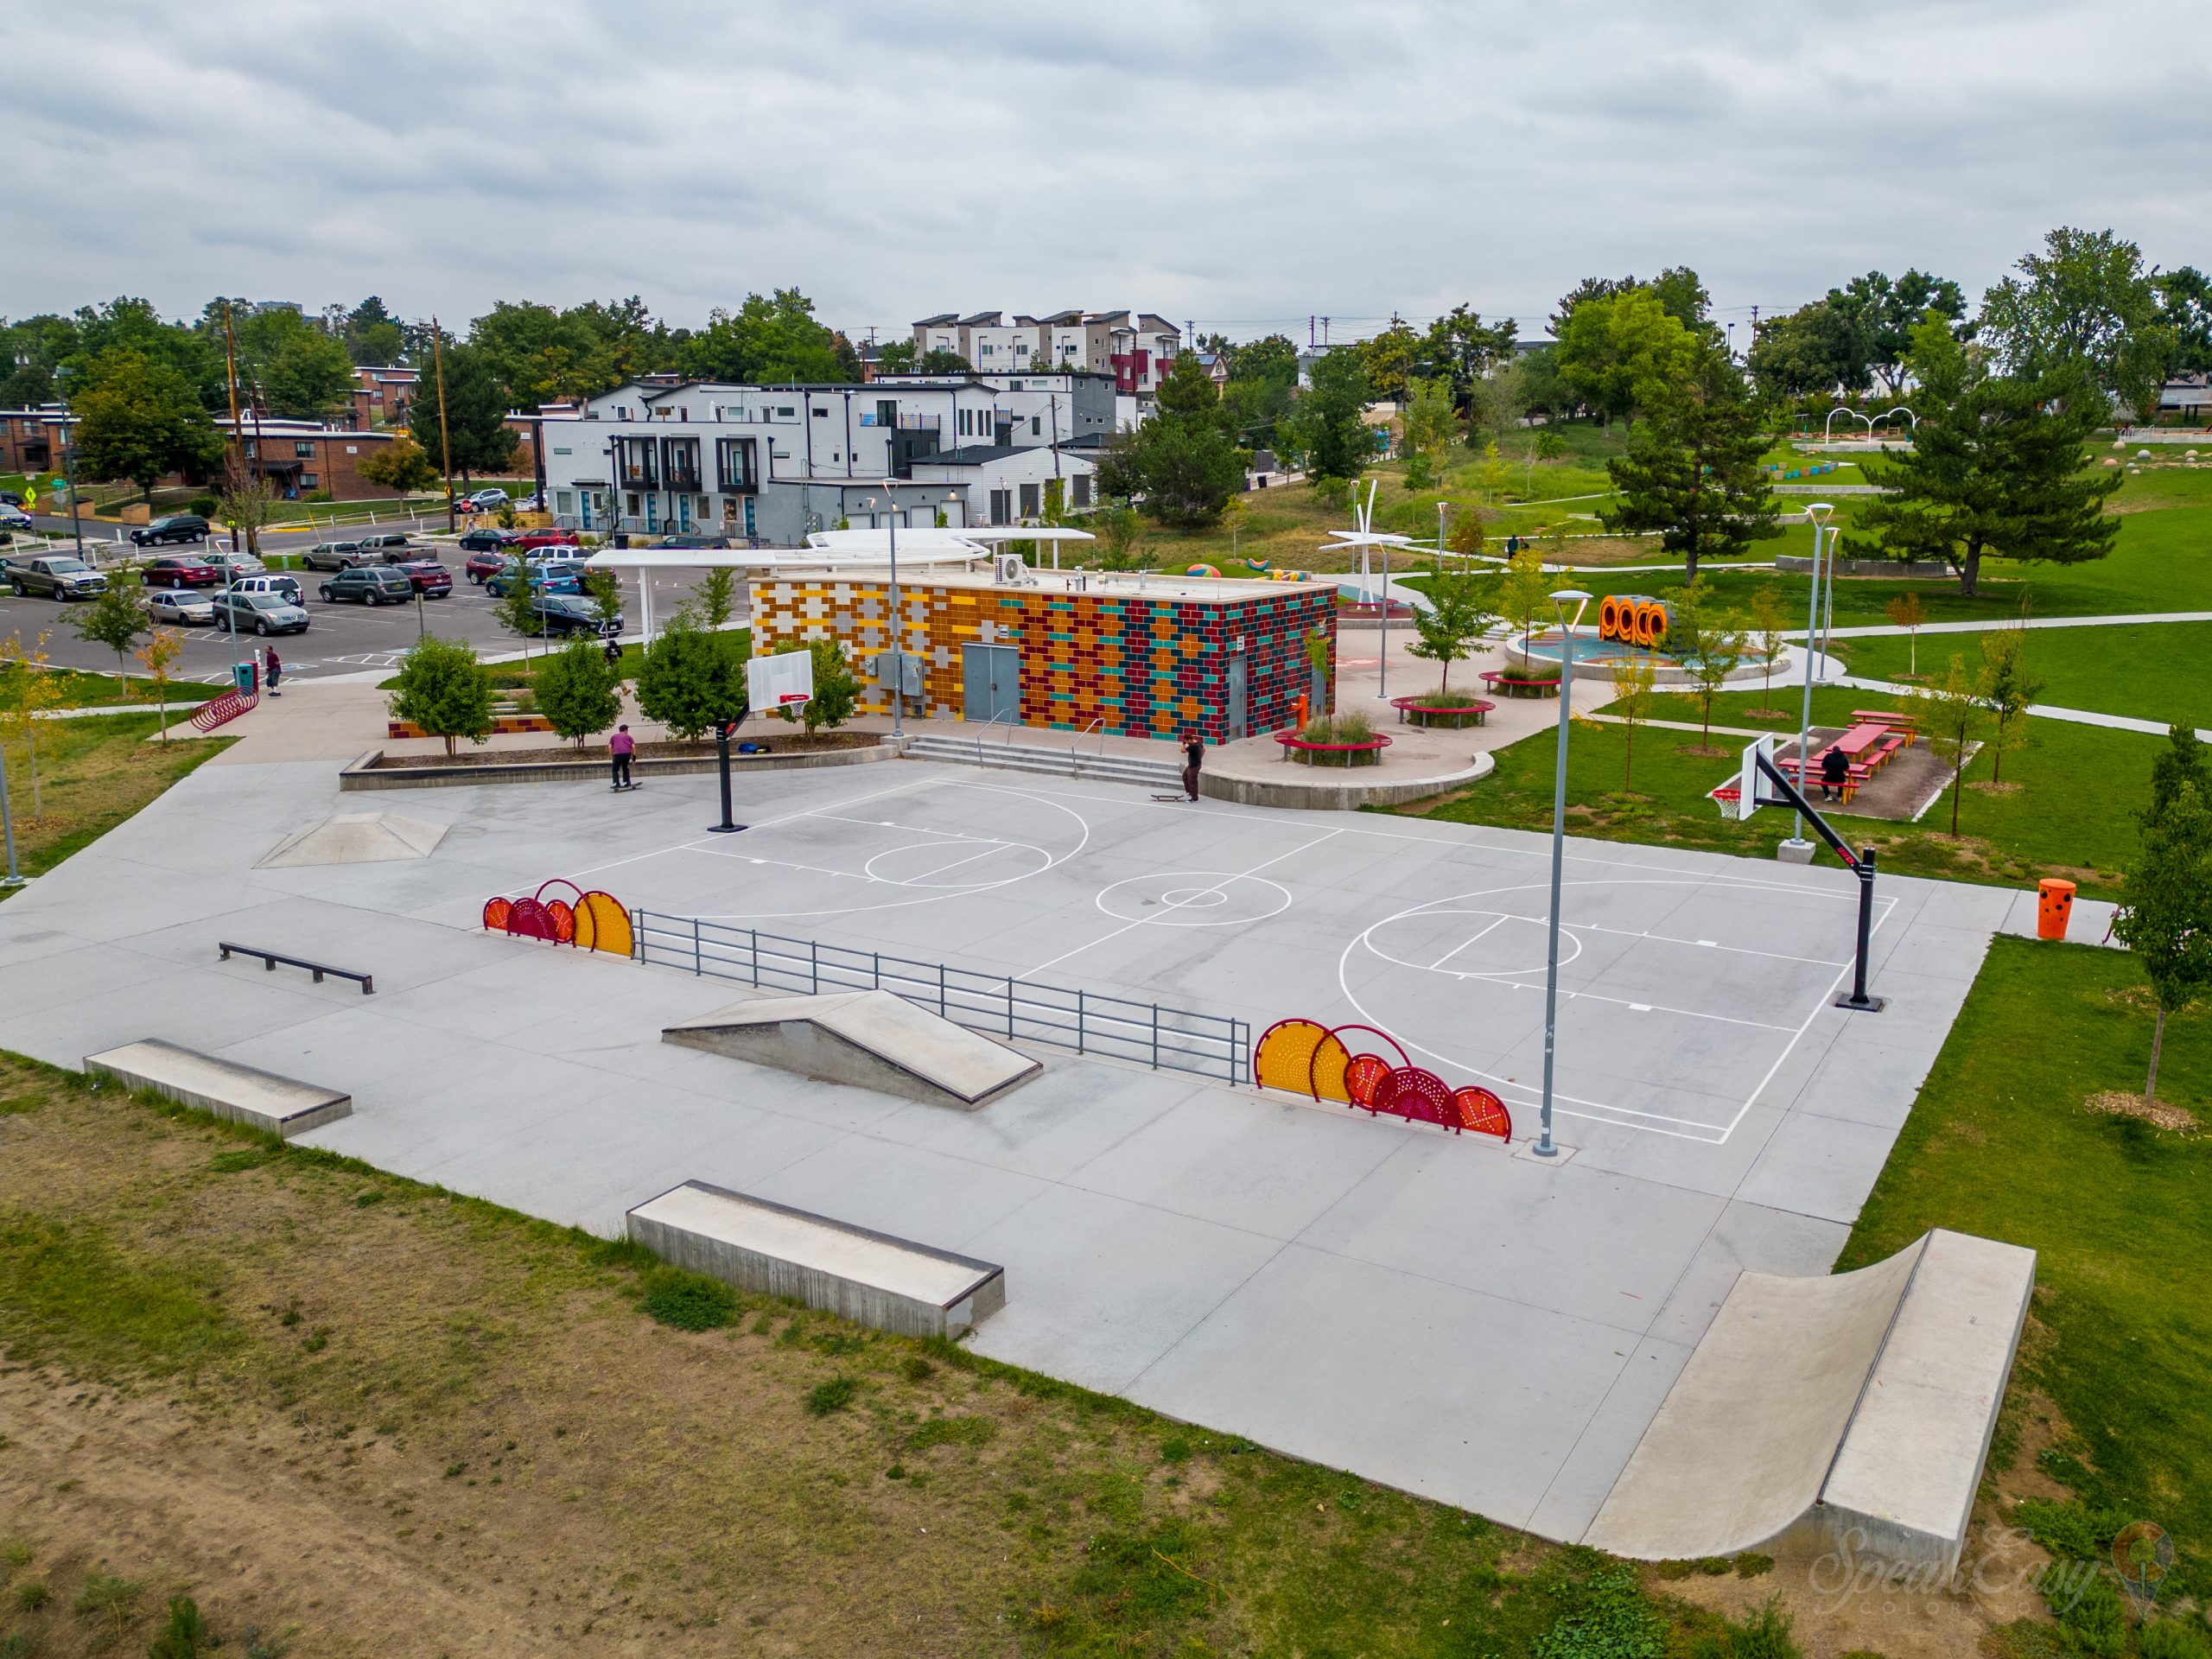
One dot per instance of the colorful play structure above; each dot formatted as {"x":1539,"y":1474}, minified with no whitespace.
{"x":1634,"y":620}
{"x":592,"y":921}
{"x":1202,"y":571}
{"x":1305,"y":1058}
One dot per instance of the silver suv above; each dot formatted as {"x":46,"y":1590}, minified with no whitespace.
{"x":335,"y":556}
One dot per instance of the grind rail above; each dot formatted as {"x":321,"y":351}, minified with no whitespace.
{"x":1089,"y":1022}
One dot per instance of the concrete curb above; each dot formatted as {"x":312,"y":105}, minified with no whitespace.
{"x":364,"y":773}
{"x":1335,"y":796}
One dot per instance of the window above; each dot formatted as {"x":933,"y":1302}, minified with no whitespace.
{"x":1082,"y":496}
{"x":564,"y":501}
{"x":1001,"y":506}
{"x":634,"y":464}
{"x":1029,"y":504}
{"x":559,"y":451}
{"x":253,"y":450}
{"x":353,"y":448}
{"x":309,"y":481}
{"x":1036,"y":426}
{"x":679,"y":459}
{"x":734,"y":465}
{"x":821,"y":414}
{"x":785,"y":412}
{"x":965,"y":421}
{"x":304,"y":451}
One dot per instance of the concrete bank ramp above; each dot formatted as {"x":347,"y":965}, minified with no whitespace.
{"x":242,"y":1093}
{"x":355,"y":838}
{"x":873,"y":1038}
{"x":869,"y":1278}
{"x":1858,"y":1406}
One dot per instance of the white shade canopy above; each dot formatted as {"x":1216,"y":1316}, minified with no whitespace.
{"x":768,"y":558}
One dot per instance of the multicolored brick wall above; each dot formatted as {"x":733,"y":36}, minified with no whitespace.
{"x":1140,"y":665}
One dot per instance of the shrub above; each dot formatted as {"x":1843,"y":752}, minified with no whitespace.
{"x":918,"y":1370}
{"x":31,"y":1595}
{"x":104,"y":1593}
{"x":1610,"y":1620}
{"x":444,"y":689}
{"x":2172,"y":1638}
{"x":186,"y":1636}
{"x":1449,"y":700}
{"x":2072,"y":1530}
{"x":1752,"y":1565}
{"x":834,"y":1396}
{"x":687,"y":1300}
{"x":318,"y":497}
{"x":205,"y":505}
{"x":2087,"y":1608}
{"x":1339,"y":728}
{"x":1765,"y":1635}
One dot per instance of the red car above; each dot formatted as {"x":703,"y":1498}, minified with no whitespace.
{"x":485,"y":562}
{"x":531,"y":540}
{"x":181,"y":570}
{"x":430,"y":578}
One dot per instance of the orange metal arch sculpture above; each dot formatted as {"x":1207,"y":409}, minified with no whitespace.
{"x":602,"y":924}
{"x":1483,"y":1112}
{"x":1283,"y":1057}
{"x":595,"y":920}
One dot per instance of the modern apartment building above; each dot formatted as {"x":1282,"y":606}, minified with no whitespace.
{"x":1136,"y":347}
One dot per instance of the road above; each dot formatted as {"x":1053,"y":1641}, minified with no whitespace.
{"x":341,"y":639}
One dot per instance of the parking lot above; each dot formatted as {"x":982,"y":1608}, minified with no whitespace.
{"x":342,"y":638}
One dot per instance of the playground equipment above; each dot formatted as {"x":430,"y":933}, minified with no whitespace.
{"x":1201,"y":570}
{"x":1304,"y":1057}
{"x":1634,"y":620}
{"x":592,"y":921}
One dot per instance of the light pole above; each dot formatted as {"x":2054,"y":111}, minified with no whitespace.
{"x":898,"y":621}
{"x":69,"y":460}
{"x":8,"y":828}
{"x":1819,"y":512}
{"x":1545,"y":1145}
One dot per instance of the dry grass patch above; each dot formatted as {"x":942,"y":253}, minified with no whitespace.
{"x":2158,"y":1113}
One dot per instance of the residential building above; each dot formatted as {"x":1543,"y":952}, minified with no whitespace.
{"x":1009,"y":484}
{"x":381,"y":396}
{"x":298,"y":458}
{"x":1137,"y":348}
{"x":772,"y":463}
{"x":30,"y":439}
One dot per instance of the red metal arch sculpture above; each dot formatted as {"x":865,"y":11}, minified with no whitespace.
{"x":1483,"y":1112}
{"x":1417,"y":1095}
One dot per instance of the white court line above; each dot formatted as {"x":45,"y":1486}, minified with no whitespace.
{"x":1834,"y":985}
{"x":1498,"y":920}
{"x":766,"y":823}
{"x":983,"y":852}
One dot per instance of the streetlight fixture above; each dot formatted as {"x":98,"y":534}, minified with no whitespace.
{"x":1545,"y":1147}
{"x":1819,"y":513}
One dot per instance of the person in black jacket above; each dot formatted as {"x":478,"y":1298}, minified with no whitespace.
{"x":1194,"y":751}
{"x":1835,"y":773}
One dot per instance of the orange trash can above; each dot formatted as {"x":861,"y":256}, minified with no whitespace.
{"x":2053,"y":907}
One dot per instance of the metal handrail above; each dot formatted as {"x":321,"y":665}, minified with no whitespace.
{"x":1098,"y":726}
{"x":1012,"y":717}
{"x":270,"y":958}
{"x":1089,"y":1022}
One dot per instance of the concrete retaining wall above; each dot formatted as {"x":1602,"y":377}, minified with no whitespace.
{"x":1332,"y":791}
{"x":364,"y":773}
{"x":1934,"y":569}
{"x":244,"y":1094}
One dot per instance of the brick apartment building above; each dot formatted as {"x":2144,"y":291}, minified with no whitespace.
{"x":381,"y":396}
{"x":30,"y":439}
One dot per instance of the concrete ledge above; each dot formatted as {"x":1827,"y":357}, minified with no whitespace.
{"x":1852,"y":1409}
{"x":869,"y":1278}
{"x":244,"y":1094}
{"x":870,"y":1038}
{"x":364,"y":772}
{"x":1331,"y":788}
{"x":1928,"y":569}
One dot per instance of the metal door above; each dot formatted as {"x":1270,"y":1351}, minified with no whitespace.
{"x":990,"y":683}
{"x":1239,"y":695}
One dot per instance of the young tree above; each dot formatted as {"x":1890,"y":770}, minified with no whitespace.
{"x":1325,"y":428}
{"x":836,"y":692}
{"x":1466,"y":537}
{"x":247,"y":505}
{"x":1769,"y":628}
{"x":441,"y":687}
{"x":604,"y":590}
{"x":1996,"y":467}
{"x":402,"y":465}
{"x":2185,"y":760}
{"x":692,"y":680}
{"x":116,"y":619}
{"x":1706,"y":640}
{"x":1906,"y":612}
{"x":141,"y":420}
{"x":160,"y":652}
{"x":1525,"y":597}
{"x":575,"y":689}
{"x":1181,"y":461}
{"x":1430,"y":423}
{"x":1950,"y":711}
{"x":516,"y":610}
{"x":2164,"y":917}
{"x":1492,"y":475}
{"x":26,"y":690}
{"x":2007,"y":690}
{"x":1692,"y":471}
{"x":1634,"y":676}
{"x":1446,"y":632}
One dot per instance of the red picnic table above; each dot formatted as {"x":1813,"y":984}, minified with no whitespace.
{"x":1856,"y":741}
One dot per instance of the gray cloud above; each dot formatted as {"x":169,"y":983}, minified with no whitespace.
{"x":1239,"y":162}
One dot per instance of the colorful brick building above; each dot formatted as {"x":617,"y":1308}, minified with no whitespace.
{"x":1153,"y":658}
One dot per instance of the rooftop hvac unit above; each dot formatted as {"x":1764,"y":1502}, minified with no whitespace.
{"x":1010,"y":567}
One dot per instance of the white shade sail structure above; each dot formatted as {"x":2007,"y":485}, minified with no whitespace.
{"x":936,"y":548}
{"x":996,"y":533}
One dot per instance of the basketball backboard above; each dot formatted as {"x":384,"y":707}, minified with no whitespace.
{"x":1738,"y":797}
{"x":782,"y":681}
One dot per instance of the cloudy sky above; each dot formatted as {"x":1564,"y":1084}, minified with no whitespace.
{"x":1243,"y":164}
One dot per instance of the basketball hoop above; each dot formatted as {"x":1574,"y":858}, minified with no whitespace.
{"x":1726,"y":798}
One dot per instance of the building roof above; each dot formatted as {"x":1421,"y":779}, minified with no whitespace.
{"x":942,"y":318}
{"x":975,"y":454}
{"x":984,"y":319}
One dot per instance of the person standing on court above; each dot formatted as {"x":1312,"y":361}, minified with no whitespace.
{"x":1194,"y":751}
{"x":276,"y":671}
{"x":619,"y":748}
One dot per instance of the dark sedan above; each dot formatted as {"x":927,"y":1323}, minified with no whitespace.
{"x":486,"y":540}
{"x":182,"y":570}
{"x":570,"y":613}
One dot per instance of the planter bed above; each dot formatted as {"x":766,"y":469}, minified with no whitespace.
{"x":377,"y":770}
{"x":1506,"y":686}
{"x":1449,"y":716}
{"x":1297,"y":748}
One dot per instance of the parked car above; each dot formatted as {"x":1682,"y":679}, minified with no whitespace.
{"x":392,"y":547}
{"x":690,"y":540}
{"x":544,"y":578}
{"x":272,"y":582}
{"x":177,"y":527}
{"x":234,"y":565}
{"x":427,"y":576}
{"x":334,"y":556}
{"x":369,"y":584}
{"x":531,"y":539}
{"x":10,"y":498}
{"x":55,"y":576}
{"x":488,"y":539}
{"x":485,"y":563}
{"x":572,"y":614}
{"x":180,"y":570}
{"x":532,"y":503}
{"x":179,"y":605}
{"x":14,"y":518}
{"x":488,"y":499}
{"x":261,"y":612}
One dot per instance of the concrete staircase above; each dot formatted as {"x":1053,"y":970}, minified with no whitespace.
{"x":1047,"y":760}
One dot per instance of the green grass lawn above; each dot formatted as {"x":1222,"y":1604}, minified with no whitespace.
{"x":70,"y":688}
{"x":2071,"y":817}
{"x":2151,"y":670}
{"x":2119,"y":1213}
{"x":89,"y":775}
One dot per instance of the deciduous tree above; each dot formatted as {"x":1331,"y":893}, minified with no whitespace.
{"x":141,"y":420}
{"x":2164,"y":917}
{"x":1446,"y":631}
{"x":441,"y":687}
{"x":1324,"y":429}
{"x":1620,"y":353}
{"x":116,"y":619}
{"x":2085,"y":299}
{"x":691,"y":679}
{"x":1634,"y":676}
{"x":1950,"y":712}
{"x":402,"y":465}
{"x":837,"y":691}
{"x":575,"y":689}
{"x":2007,"y":688}
{"x":1906,"y":612}
{"x":1430,"y":422}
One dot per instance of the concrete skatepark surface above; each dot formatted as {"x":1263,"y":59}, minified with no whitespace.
{"x":870,"y":1038}
{"x":1861,"y":1403}
{"x":1254,"y":1263}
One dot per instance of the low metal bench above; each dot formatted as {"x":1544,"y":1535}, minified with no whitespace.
{"x":270,"y":958}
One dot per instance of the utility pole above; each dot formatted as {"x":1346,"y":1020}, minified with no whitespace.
{"x":241,"y":476}
{"x":445,"y":434}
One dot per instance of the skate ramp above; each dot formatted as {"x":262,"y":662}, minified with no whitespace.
{"x":1858,"y":1406}
{"x":244,"y":1094}
{"x":870,"y":1278}
{"x":871,"y":1038}
{"x":355,"y":838}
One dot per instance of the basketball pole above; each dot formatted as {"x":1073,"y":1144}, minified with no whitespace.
{"x":1817,"y":514}
{"x":1545,"y":1147}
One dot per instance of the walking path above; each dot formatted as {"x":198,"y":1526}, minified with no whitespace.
{"x":2041,"y":710}
{"x":1991,"y":626}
